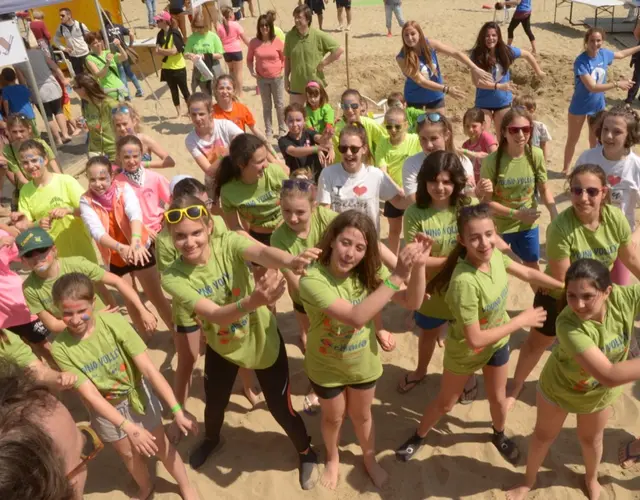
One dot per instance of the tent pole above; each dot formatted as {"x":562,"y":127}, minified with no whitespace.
{"x":103,"y":27}
{"x":34,"y":85}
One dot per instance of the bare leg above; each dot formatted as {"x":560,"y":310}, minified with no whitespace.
{"x":340,"y":18}
{"x":150,"y":281}
{"x":549,"y":421}
{"x":248,"y":385}
{"x":497,"y":120}
{"x":574,"y":127}
{"x":590,"y":432}
{"x":359,"y":409}
{"x":136,"y":466}
{"x":174,"y":464}
{"x":333,"y":411}
{"x":593,"y":139}
{"x":395,"y":231}
{"x":55,"y":131}
{"x":451,"y":386}
{"x":188,"y":349}
{"x":62,"y":124}
{"x":426,"y":346}
{"x":495,"y":382}
{"x":136,"y":319}
{"x":236,"y":71}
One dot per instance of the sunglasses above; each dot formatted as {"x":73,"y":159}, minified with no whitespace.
{"x":391,"y":127}
{"x":514,"y":130}
{"x":92,"y":445}
{"x":300,"y":184}
{"x":352,"y":105}
{"x":351,"y":149}
{"x":121,"y":109}
{"x":432,"y":117}
{"x":591,"y":191}
{"x":194,"y":212}
{"x":36,"y":253}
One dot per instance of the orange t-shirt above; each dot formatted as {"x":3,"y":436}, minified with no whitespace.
{"x":239,"y":114}
{"x":116,"y":233}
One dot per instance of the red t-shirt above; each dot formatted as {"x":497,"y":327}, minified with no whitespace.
{"x":39,"y":30}
{"x":482,"y":145}
{"x":239,"y":114}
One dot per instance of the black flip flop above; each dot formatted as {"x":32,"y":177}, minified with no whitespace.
{"x":409,"y":385}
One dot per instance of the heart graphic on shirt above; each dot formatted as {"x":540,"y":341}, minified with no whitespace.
{"x":360,"y":190}
{"x":235,"y":292}
{"x":614,"y":179}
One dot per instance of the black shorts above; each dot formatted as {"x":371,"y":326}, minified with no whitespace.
{"x":264,"y":238}
{"x":233,"y":56}
{"x":493,"y":110}
{"x":34,"y":332}
{"x":549,"y":304}
{"x":391,"y":212}
{"x":343,"y":4}
{"x":187,"y":329}
{"x":52,"y":108}
{"x":299,"y":308}
{"x":332,"y":392}
{"x":500,"y":357}
{"x":427,"y":105}
{"x":124,"y":270}
{"x":317,"y":6}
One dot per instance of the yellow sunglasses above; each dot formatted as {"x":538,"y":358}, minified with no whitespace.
{"x":92,"y":445}
{"x":194,"y":212}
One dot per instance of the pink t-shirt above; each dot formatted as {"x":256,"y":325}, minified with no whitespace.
{"x":482,"y":145}
{"x":269,"y":57}
{"x":154,"y":196}
{"x":13,"y":307}
{"x":231,"y":40}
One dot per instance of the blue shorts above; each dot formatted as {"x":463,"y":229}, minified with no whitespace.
{"x":525,"y":244}
{"x":500,"y":357}
{"x":427,"y":322}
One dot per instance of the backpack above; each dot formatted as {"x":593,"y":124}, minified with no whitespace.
{"x":70,"y":29}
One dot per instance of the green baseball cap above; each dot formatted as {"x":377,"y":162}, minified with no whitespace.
{"x":35,"y":238}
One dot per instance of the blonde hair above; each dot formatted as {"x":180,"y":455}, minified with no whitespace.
{"x":38,"y":14}
{"x":127,"y":109}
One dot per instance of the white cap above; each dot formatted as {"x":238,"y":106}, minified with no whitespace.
{"x":176,"y":179}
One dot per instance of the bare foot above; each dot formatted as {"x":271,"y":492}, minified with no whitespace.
{"x":143,"y":494}
{"x":250,"y":394}
{"x":518,"y":493}
{"x":329,"y":478}
{"x":190,"y":494}
{"x":377,"y":474}
{"x":594,"y":489}
{"x":512,"y":395}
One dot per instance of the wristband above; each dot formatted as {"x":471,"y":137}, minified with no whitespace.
{"x":118,"y":247}
{"x":240,"y":307}
{"x":388,"y":284}
{"x":147,"y":163}
{"x":511,"y":212}
{"x":136,"y":235}
{"x":315,"y":149}
{"x":122,"y":424}
{"x":495,"y":87}
{"x":176,"y":408}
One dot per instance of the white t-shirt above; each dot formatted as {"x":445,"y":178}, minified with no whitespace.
{"x":539,"y":134}
{"x":623,"y":177}
{"x":362,"y":190}
{"x":223,"y":133}
{"x":411,"y":168}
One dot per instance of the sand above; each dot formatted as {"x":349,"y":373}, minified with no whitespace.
{"x":459,"y":460}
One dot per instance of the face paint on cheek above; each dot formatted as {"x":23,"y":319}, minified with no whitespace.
{"x":85,"y":317}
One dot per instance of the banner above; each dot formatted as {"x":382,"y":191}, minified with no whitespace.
{"x":12,"y":49}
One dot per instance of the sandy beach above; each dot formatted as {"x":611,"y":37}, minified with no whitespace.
{"x":459,"y":460}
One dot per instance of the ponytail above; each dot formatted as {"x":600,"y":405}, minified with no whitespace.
{"x":241,"y":150}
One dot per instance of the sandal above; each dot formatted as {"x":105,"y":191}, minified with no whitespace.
{"x":625,"y":455}
{"x":506,"y":447}
{"x":409,"y":448}
{"x":468,"y":396}
{"x":408,"y":384}
{"x":311,"y":407}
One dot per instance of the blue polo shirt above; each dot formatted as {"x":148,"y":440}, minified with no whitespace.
{"x":584,"y":102}
{"x":414,"y":93}
{"x":495,"y":99}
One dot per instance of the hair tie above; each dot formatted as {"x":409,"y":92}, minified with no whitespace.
{"x":313,"y":85}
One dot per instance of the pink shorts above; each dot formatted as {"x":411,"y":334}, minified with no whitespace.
{"x":620,"y":275}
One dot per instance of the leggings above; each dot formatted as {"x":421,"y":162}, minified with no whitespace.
{"x":177,"y":79}
{"x":526,"y":25}
{"x":220,"y":375}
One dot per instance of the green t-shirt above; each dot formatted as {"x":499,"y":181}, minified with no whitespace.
{"x":10,"y":152}
{"x":285,"y":239}
{"x":563,"y":381}
{"x":102,"y":136}
{"x":105,"y":358}
{"x":16,"y":350}
{"x":111,"y":82}
{"x":476,"y":297}
{"x":412,"y":118}
{"x":393,"y":157}
{"x":375,"y":134}
{"x":204,"y":43}
{"x":318,"y":119}
{"x":37,"y":291}
{"x":69,"y":233}
{"x":337,"y":354}
{"x":259,"y":203}
{"x":516,"y":185}
{"x":252,"y":341}
{"x":304,"y":54}
{"x":166,"y":252}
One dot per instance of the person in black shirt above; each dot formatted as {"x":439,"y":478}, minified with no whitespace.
{"x":126,"y":72}
{"x":300,"y":146}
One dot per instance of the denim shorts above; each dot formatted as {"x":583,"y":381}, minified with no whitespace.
{"x":427,"y":322}
{"x":500,"y":357}
{"x":525,"y":244}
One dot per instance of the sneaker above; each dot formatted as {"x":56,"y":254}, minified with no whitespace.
{"x":389,"y":35}
{"x":340,"y":27}
{"x":506,"y":447}
{"x":139,"y":93}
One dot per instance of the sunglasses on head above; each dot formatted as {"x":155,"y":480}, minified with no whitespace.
{"x":352,"y":105}
{"x":194,"y":212}
{"x":120,"y":109}
{"x":432,"y":117}
{"x":36,"y":253}
{"x":394,"y":127}
{"x":92,"y":445}
{"x":301,"y":184}
{"x":514,"y":130}
{"x":351,"y":149}
{"x":592,"y":192}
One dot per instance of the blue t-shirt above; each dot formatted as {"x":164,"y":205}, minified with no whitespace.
{"x":494,"y":99}
{"x":524,"y":6}
{"x":19,"y":99}
{"x":414,"y":93}
{"x":584,"y":102}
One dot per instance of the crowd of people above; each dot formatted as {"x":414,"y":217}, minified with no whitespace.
{"x":214,"y":255}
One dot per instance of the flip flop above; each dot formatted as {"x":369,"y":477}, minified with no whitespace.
{"x":408,"y":384}
{"x":310,"y":408}
{"x":627,"y":456}
{"x":468,"y":396}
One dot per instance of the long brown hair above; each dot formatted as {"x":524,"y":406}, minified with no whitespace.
{"x":412,"y":55}
{"x":511,"y":115}
{"x":367,"y":269}
{"x":241,"y":150}
{"x":593,"y":169}
{"x":440,"y":281}
{"x":432,"y":166}
{"x":91,"y":86}
{"x":225,"y":11}
{"x":482,"y":56}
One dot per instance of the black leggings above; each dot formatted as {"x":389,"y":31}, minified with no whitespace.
{"x":526,"y":25}
{"x":177,"y":79}
{"x":220,"y":375}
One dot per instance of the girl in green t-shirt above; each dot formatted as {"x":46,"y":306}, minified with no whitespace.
{"x":212,"y":281}
{"x":341,"y":294}
{"x":102,"y":64}
{"x":318,"y":112}
{"x":589,"y":228}
{"x":115,"y":377}
{"x":586,"y":370}
{"x":516,"y":171}
{"x":475,"y":280}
